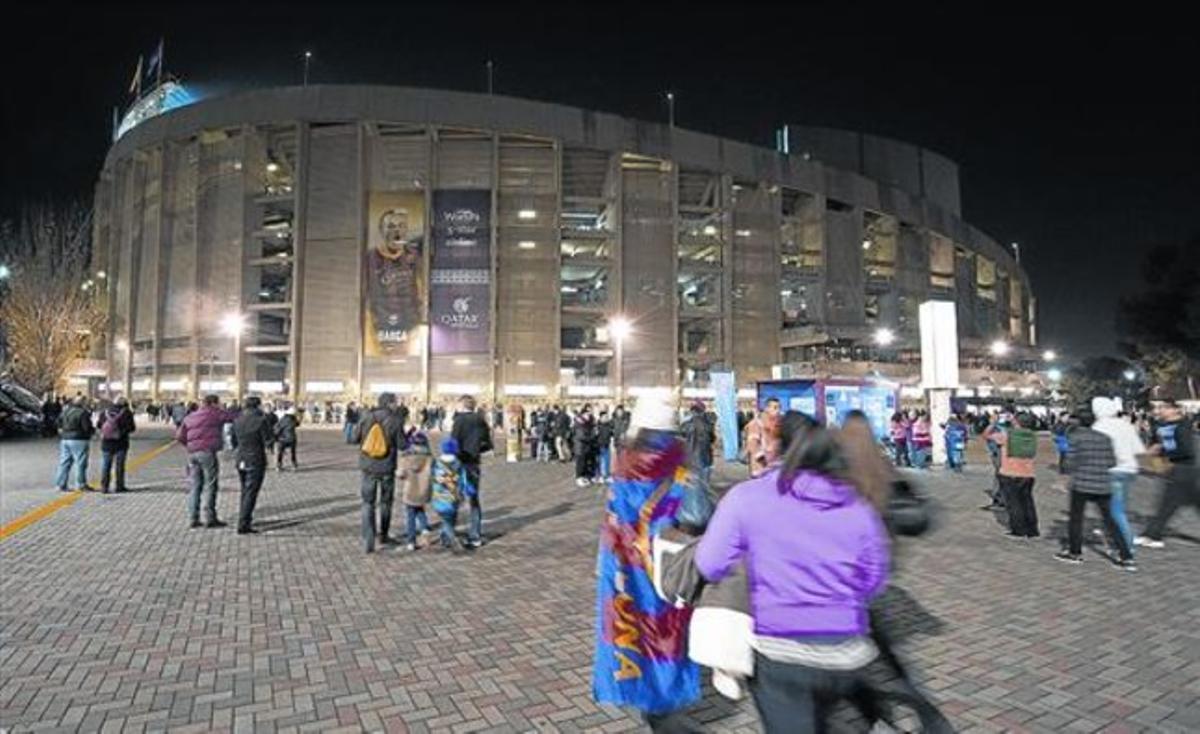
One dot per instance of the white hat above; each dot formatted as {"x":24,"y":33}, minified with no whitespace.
{"x":655,"y":412}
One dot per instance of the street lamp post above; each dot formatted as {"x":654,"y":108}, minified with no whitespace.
{"x":307,"y":59}
{"x":233,"y":324}
{"x":618,"y":330}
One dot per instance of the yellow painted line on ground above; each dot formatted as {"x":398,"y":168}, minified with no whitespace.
{"x":53,"y":506}
{"x":36,"y":514}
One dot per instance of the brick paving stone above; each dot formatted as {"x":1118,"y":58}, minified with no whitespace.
{"x":114,"y":615}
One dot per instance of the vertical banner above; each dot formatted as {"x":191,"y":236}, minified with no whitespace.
{"x":460,"y":308}
{"x":460,"y":311}
{"x":395,"y":290}
{"x":462,"y":229}
{"x":725,"y":388}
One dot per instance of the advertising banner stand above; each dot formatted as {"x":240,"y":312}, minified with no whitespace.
{"x":725,"y":387}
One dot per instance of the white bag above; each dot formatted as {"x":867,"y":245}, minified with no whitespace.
{"x":722,"y":639}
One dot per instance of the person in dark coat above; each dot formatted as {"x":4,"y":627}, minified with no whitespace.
{"x":353,"y":414}
{"x":75,"y":431}
{"x":251,"y":436}
{"x":116,"y":423}
{"x":604,"y":442}
{"x":474,"y":439}
{"x":379,"y":473}
{"x":699,"y":434}
{"x":286,"y":439}
{"x":585,"y":446}
{"x":620,"y":421}
{"x":562,"y":434}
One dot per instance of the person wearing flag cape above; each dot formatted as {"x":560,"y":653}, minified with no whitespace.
{"x":641,"y":657}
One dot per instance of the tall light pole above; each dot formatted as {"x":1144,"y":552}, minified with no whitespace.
{"x":671,"y":110}
{"x":490,"y":69}
{"x":307,"y":59}
{"x":619,"y":329}
{"x":233,"y":324}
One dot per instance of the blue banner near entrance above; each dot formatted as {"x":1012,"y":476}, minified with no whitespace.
{"x":725,"y":387}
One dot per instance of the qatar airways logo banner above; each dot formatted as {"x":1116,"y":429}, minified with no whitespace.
{"x":462,"y":229}
{"x":460,"y":312}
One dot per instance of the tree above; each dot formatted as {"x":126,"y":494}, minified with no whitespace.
{"x":1160,"y":325}
{"x":49,"y":305}
{"x":1102,"y":377}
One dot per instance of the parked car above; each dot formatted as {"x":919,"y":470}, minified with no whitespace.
{"x":15,"y":420}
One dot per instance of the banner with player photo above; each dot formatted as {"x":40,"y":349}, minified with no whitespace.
{"x":395,"y":292}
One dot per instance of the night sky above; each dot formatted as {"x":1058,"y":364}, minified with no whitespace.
{"x":1078,"y":142}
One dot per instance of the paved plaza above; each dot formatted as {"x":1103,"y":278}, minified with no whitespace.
{"x":116,"y":617}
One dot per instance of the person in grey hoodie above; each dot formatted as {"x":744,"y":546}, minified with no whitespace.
{"x":1127,"y":444}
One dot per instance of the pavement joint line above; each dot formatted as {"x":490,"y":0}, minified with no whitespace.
{"x":53,"y":506}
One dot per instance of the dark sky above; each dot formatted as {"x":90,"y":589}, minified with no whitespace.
{"x":1079,"y":142}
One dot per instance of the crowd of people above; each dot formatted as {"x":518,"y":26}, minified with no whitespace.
{"x":771,"y":587}
{"x":1101,"y":450}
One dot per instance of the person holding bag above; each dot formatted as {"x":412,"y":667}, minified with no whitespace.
{"x":810,"y":541}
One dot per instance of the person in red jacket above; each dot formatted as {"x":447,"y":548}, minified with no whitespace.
{"x":201,"y":435}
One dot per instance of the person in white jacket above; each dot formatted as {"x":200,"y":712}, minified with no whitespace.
{"x":1126,"y":445}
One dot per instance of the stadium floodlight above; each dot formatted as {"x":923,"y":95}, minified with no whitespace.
{"x":233,"y":324}
{"x":619,"y":328}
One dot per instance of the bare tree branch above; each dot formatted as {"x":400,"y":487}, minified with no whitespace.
{"x":50,"y":306}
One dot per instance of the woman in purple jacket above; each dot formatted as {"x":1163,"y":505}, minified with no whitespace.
{"x":816,"y":552}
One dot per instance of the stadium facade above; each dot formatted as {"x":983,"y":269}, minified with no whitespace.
{"x":433,"y":243}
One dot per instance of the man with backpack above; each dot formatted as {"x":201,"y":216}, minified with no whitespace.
{"x":75,"y":429}
{"x":116,"y":423}
{"x":1018,"y":450}
{"x":380,"y":436}
{"x":286,"y":437}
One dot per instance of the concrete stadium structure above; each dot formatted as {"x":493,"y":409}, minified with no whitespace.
{"x":432,"y":243}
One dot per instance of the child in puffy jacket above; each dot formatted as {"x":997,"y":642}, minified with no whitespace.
{"x":414,"y":470}
{"x":450,"y":485}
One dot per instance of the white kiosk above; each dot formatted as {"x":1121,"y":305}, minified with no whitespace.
{"x":939,"y":367}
